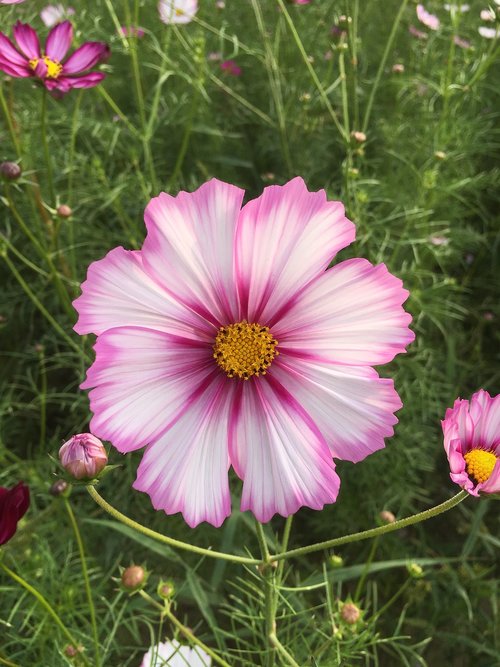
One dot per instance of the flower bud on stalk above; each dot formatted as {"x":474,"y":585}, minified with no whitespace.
{"x":166,"y":589}
{"x":59,"y":487}
{"x":133,"y":578}
{"x":386,"y":516}
{"x":11,"y":171}
{"x":350,"y":613}
{"x":64,"y":211}
{"x":83,"y":456}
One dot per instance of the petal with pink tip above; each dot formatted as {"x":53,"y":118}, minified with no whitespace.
{"x":351,"y":405}
{"x":143,"y":382}
{"x":86,"y":81}
{"x":186,"y":469}
{"x":189,"y":248}
{"x":285,"y":238}
{"x":458,"y":424}
{"x":351,"y":314}
{"x":59,"y":40}
{"x":88,"y":55}
{"x":12,"y":69}
{"x":27,"y":40}
{"x":485,"y":412}
{"x":118,"y":292}
{"x":9,"y":53}
{"x":278,"y":451}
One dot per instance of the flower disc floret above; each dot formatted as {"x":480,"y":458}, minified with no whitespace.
{"x":244,"y":349}
{"x":480,"y":464}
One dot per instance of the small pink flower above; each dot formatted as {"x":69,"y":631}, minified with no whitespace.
{"x":488,"y":15}
{"x":225,"y":341}
{"x":231,"y":68}
{"x":462,"y":43}
{"x":83,"y":456}
{"x":427,"y":19}
{"x":419,"y":34}
{"x":52,"y":14}
{"x":132,"y":31}
{"x":472,"y":443}
{"x":47,"y":65}
{"x":10,"y":2}
{"x":177,"y":11}
{"x":174,"y":654}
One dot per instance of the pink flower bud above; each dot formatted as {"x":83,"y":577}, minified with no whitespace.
{"x":350,"y":613}
{"x":83,"y":456}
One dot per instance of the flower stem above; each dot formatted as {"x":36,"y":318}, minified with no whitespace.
{"x":47,"y":606}
{"x":163,"y":538}
{"x":48,"y":159}
{"x":10,"y":124}
{"x":282,"y":650}
{"x":373,"y":532}
{"x":81,"y":550}
{"x":269,"y":574}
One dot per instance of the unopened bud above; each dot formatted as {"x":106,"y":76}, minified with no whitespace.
{"x":11,"y":171}
{"x":415,"y":570}
{"x":336,"y":561}
{"x":360,"y":137}
{"x":440,"y":155}
{"x":133,"y":577}
{"x":72,"y":651}
{"x":166,"y":589}
{"x":59,"y":487}
{"x":387,"y":517}
{"x":83,"y":456}
{"x":64,"y":211}
{"x":398,"y":68}
{"x":350,"y":613}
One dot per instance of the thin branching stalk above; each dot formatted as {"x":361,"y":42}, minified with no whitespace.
{"x":269,"y":575}
{"x":45,"y":143}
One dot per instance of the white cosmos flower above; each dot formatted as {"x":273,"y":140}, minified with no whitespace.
{"x":173,"y":654}
{"x":177,"y":11}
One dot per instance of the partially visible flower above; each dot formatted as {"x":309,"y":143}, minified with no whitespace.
{"x":231,"y":68}
{"x":52,"y":14}
{"x":10,"y":2}
{"x":177,"y":11}
{"x":489,"y":33}
{"x":83,"y":456}
{"x":11,"y":171}
{"x":131,"y":31}
{"x":462,"y":43}
{"x":360,"y":137}
{"x":173,"y":654}
{"x":398,"y":68}
{"x":214,"y":56}
{"x":488,"y":15}
{"x":46,"y":65}
{"x":472,"y":443}
{"x":220,"y":4}
{"x":427,"y":19}
{"x":14,"y":504}
{"x":457,"y":8}
{"x":419,"y":34}
{"x":301,"y":2}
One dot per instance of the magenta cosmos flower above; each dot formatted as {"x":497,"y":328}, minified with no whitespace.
{"x":47,"y":64}
{"x":14,"y":504}
{"x":224,"y":341}
{"x":472,"y":443}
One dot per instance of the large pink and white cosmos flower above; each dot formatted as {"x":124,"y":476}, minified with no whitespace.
{"x":48,"y":64}
{"x":472,"y":443}
{"x":224,"y":341}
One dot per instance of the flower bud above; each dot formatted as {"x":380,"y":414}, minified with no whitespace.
{"x":415,"y":570}
{"x":59,"y":487}
{"x":64,"y":211}
{"x":360,"y":137}
{"x":336,"y":561}
{"x":387,"y":516}
{"x":350,"y":613}
{"x":166,"y":589}
{"x":72,"y":651}
{"x":133,"y":578}
{"x":83,"y":456}
{"x":398,"y":68}
{"x":11,"y":171}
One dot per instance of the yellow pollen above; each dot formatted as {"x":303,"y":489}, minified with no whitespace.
{"x":180,"y":12}
{"x":480,"y":464}
{"x":244,"y":349}
{"x":54,"y":68}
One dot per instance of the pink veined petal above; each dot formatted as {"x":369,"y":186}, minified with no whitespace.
{"x":485,"y":412}
{"x":27,"y":40}
{"x":351,"y":405}
{"x":189,"y":248}
{"x":9,"y":53}
{"x":59,"y":40}
{"x":351,"y":314}
{"x":118,"y":292}
{"x":278,"y":451}
{"x":41,"y":69}
{"x":455,"y":455}
{"x":285,"y":238}
{"x":85,"y":57}
{"x":186,"y":469}
{"x":14,"y":70}
{"x":86,"y":81}
{"x":460,"y":416}
{"x":143,"y":382}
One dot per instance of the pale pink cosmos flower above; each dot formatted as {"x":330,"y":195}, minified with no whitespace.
{"x":47,"y":64}
{"x":427,"y":19}
{"x":472,"y":443}
{"x":224,"y":341}
{"x":177,"y":11}
{"x":83,"y":456}
{"x":489,"y":33}
{"x":52,"y":14}
{"x":173,"y":654}
{"x":10,"y":2}
{"x":488,"y":15}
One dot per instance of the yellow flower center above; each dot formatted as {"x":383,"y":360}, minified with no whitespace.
{"x":244,"y":349}
{"x":180,"y":12}
{"x":54,"y":68}
{"x":480,"y":464}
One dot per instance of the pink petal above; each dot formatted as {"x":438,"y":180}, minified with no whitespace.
{"x":9,"y":53}
{"x":27,"y":40}
{"x":59,"y":40}
{"x":351,"y":314}
{"x":485,"y":412}
{"x":278,"y":451}
{"x":189,"y":248}
{"x":14,"y":70}
{"x":459,"y":424}
{"x":143,"y":381}
{"x":186,"y":469}
{"x":352,"y":407}
{"x":86,"y":81}
{"x":88,"y":55}
{"x":118,"y":292}
{"x":285,"y":238}
{"x":427,"y":19}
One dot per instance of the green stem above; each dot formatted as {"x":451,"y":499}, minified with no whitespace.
{"x":163,"y":538}
{"x":72,"y":143}
{"x":43,"y":397}
{"x":110,"y":101}
{"x":48,"y":159}
{"x":382,"y":64}
{"x":282,"y":650}
{"x":46,"y":605}
{"x":10,"y":124}
{"x":83,"y":561}
{"x":373,"y":532}
{"x":366,"y":569}
{"x":269,"y":574}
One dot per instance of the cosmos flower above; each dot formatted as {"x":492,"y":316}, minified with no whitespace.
{"x":231,"y":67}
{"x":14,"y":504}
{"x":10,"y":2}
{"x":224,"y":341}
{"x":488,"y":14}
{"x":52,"y":14}
{"x":83,"y":456}
{"x":472,"y":443}
{"x":427,"y":19}
{"x":177,"y":11}
{"x":47,"y":65}
{"x":173,"y":654}
{"x":489,"y":33}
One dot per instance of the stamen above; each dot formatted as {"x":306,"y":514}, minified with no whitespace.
{"x":244,"y":349}
{"x":54,"y":68}
{"x":480,"y":464}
